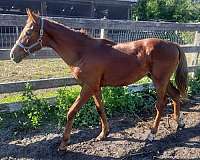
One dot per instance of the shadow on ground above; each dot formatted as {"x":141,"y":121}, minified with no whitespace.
{"x":46,"y":147}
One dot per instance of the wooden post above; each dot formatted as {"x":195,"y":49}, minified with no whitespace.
{"x":92,"y":14}
{"x":196,"y":55}
{"x":43,"y":8}
{"x":103,"y":32}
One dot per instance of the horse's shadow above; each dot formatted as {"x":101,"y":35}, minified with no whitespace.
{"x":179,"y":139}
{"x":47,"y":148}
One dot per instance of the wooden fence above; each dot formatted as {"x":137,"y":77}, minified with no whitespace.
{"x":92,"y":24}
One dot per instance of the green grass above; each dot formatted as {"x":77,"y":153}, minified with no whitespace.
{"x":17,"y":97}
{"x":144,"y":80}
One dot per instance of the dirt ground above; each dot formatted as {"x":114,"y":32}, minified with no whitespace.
{"x":126,"y":140}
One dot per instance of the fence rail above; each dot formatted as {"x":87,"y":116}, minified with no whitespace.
{"x":117,"y":30}
{"x":49,"y":53}
{"x":16,"y":20}
{"x":47,"y":83}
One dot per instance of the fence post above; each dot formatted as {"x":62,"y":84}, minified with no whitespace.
{"x":103,"y":32}
{"x":196,"y":55}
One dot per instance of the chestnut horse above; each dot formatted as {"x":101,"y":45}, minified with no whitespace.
{"x":96,"y":63}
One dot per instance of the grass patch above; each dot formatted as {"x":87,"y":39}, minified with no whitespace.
{"x":17,"y":97}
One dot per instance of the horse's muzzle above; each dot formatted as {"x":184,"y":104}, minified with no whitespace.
{"x":14,"y":56}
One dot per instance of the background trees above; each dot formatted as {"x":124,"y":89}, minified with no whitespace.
{"x":167,"y":10}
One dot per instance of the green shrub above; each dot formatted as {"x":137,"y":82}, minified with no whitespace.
{"x":87,"y":116}
{"x":34,"y":110}
{"x":194,"y":83}
{"x":37,"y":111}
{"x":116,"y":100}
{"x":120,"y":100}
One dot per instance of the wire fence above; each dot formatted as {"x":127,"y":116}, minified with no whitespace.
{"x":9,"y":35}
{"x":122,"y":35}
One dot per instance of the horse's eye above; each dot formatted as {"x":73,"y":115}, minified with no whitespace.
{"x":28,"y":33}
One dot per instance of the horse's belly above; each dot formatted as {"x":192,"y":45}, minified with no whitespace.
{"x":122,"y":78}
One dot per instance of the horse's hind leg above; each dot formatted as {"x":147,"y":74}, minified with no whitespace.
{"x":161,"y":86}
{"x":102,"y":114}
{"x":175,"y":95}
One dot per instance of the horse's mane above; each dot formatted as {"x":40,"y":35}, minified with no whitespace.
{"x":80,"y":32}
{"x":83,"y":33}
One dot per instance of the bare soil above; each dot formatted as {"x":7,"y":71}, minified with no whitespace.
{"x":125,"y":141}
{"x":32,"y":69}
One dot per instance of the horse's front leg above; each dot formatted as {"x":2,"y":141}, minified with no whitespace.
{"x":102,"y":114}
{"x":80,"y":101}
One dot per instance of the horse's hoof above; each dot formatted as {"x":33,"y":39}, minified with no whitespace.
{"x":101,"y":136}
{"x":63,"y":145}
{"x":150,"y":137}
{"x":180,"y":127}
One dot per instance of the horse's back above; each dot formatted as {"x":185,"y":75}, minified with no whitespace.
{"x":130,"y":61}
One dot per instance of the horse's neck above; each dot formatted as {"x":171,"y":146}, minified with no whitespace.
{"x":65,"y":42}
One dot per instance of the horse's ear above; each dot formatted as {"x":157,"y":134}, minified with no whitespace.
{"x":38,"y":13}
{"x":32,"y":15}
{"x":28,"y":11}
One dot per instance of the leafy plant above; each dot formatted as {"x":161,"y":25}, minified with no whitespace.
{"x":64,"y":99}
{"x":34,"y":110}
{"x":120,"y":100}
{"x":168,"y":10}
{"x":194,"y":83}
{"x":116,"y":100}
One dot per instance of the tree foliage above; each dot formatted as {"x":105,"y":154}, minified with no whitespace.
{"x":167,"y":10}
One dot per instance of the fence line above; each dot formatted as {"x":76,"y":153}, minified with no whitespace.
{"x":11,"y":87}
{"x":55,"y":83}
{"x":19,"y":20}
{"x":116,"y":30}
{"x":45,"y":53}
{"x":16,"y":106}
{"x":48,"y":53}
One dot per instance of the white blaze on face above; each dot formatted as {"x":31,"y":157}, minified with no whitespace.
{"x":16,"y":54}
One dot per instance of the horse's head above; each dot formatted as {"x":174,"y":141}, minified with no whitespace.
{"x":30,"y":39}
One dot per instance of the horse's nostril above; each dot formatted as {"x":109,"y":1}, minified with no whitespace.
{"x":12,"y":56}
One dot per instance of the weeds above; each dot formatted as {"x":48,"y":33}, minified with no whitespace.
{"x":34,"y":111}
{"x":194,"y":83}
{"x":37,"y":111}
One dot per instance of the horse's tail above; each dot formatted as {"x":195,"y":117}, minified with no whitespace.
{"x":181,"y":75}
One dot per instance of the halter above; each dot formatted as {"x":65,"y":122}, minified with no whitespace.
{"x":38,"y":42}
